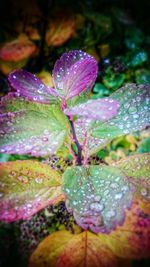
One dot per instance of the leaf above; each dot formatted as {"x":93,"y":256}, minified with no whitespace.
{"x":137,"y":168}
{"x":74,"y":72}
{"x":133,"y":115}
{"x":27,"y":186}
{"x":100,"y":109}
{"x":17,"y":49}
{"x":32,"y":128}
{"x":60,"y":28}
{"x":98,"y":196}
{"x":31,"y":87}
{"x":132,"y":240}
{"x":65,"y":249}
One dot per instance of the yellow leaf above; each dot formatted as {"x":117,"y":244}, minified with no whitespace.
{"x":63,"y":249}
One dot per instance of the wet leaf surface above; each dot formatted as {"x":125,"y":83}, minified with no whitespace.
{"x":137,"y":168}
{"x":106,"y":108}
{"x":98,"y":196}
{"x":27,"y":187}
{"x":31,"y":87}
{"x":31,"y":128}
{"x":74,"y":72}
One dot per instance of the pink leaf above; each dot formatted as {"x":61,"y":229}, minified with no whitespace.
{"x":74,"y":72}
{"x":99,"y":109}
{"x":30,"y":87}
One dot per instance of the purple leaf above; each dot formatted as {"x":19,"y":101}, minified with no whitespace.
{"x":99,"y":109}
{"x":31,"y":87}
{"x":73,"y":73}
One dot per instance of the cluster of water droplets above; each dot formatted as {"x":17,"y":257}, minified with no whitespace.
{"x":98,"y":197}
{"x":138,"y":169}
{"x":29,"y":86}
{"x":27,"y":131}
{"x":100,"y":109}
{"x":24,"y":190}
{"x":66,"y":69}
{"x":134,"y":113}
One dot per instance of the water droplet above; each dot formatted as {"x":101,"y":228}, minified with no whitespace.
{"x":96,"y":207}
{"x":143,"y":192}
{"x":23,"y":179}
{"x":110,"y":213}
{"x":97,"y":198}
{"x":118,"y":196}
{"x":39,"y":180}
{"x":45,"y":139}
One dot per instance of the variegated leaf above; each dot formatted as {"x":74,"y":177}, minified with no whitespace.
{"x":133,"y":115}
{"x":98,"y":196}
{"x":137,"y":168}
{"x":32,"y":128}
{"x":63,"y":249}
{"x":27,"y":187}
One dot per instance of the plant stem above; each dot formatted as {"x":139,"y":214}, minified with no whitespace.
{"x":79,"y":147}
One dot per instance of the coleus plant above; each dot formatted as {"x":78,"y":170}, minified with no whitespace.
{"x":41,"y":121}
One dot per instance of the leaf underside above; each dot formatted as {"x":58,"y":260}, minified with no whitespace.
{"x":27,"y":187}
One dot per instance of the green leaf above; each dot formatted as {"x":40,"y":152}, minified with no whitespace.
{"x":144,"y":146}
{"x":134,"y":113}
{"x":27,"y":187}
{"x":34,"y":128}
{"x":97,"y":195}
{"x":137,"y":168}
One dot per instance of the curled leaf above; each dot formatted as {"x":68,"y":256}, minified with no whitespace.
{"x":99,"y":109}
{"x":27,"y":187}
{"x":73,"y":73}
{"x":31,"y":87}
{"x":63,"y":249}
{"x":31,"y":128}
{"x":98,"y":196}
